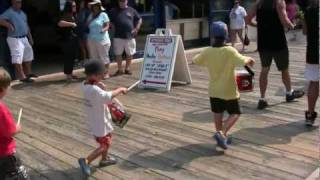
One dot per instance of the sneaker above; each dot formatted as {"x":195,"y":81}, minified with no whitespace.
{"x":221,"y":141}
{"x":128,"y":72}
{"x":27,"y":80}
{"x":294,"y":95}
{"x":125,"y":120}
{"x":262,"y":104}
{"x":84,"y":166}
{"x":310,"y":118}
{"x":106,"y":76}
{"x":32,"y":76}
{"x":118,"y":73}
{"x":110,"y":161}
{"x":229,"y":139}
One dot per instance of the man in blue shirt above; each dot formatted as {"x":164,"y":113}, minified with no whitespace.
{"x":126,"y":23}
{"x":19,"y":40}
{"x":4,"y":53}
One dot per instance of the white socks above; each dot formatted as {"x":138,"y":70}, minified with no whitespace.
{"x":289,"y":92}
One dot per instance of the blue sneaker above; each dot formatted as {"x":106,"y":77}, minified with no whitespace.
{"x":222,"y":142}
{"x":84,"y":166}
{"x":229,"y":140}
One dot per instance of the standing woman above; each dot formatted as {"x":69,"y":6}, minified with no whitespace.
{"x":82,"y":19}
{"x":70,"y":41}
{"x":98,"y":39}
{"x":237,"y":22}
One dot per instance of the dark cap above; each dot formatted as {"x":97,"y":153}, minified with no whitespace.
{"x":219,"y":29}
{"x":94,"y":67}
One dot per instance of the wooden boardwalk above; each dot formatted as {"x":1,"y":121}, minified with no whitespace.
{"x":169,"y":135}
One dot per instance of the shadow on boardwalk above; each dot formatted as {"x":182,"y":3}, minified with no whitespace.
{"x":69,"y":174}
{"x":277,"y":134}
{"x":174,"y":159}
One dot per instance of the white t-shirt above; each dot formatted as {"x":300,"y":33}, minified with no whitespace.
{"x":99,"y":117}
{"x":237,"y":16}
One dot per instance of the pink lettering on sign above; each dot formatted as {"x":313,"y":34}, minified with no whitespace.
{"x":159,"y":50}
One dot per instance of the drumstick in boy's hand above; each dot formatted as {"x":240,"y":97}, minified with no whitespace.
{"x":133,"y":85}
{"x":19,"y":117}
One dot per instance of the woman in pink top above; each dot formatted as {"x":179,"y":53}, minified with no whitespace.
{"x":292,"y":10}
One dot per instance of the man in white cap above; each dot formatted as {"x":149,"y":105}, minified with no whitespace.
{"x":19,"y":40}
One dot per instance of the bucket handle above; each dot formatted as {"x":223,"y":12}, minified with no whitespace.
{"x":250,"y":71}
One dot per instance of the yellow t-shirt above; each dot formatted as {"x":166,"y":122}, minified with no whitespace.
{"x":221,"y":63}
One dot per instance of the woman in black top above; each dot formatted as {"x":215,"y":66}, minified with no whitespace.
{"x":70,"y":43}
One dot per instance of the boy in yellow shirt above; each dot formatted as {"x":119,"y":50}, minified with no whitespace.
{"x":221,"y":61}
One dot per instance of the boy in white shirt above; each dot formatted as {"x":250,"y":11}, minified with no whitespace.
{"x":98,"y":119}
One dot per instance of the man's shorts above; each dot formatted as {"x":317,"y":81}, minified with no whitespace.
{"x":221,"y":105}
{"x":20,"y":49}
{"x":281,"y":58}
{"x":312,"y":72}
{"x":99,"y":50}
{"x":105,"y":140}
{"x":124,"y":45}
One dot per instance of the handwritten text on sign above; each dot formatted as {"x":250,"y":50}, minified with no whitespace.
{"x":157,"y":61}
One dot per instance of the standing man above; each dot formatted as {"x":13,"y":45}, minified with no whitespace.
{"x":19,"y":40}
{"x":126,"y":23}
{"x":311,"y":29}
{"x":5,"y":53}
{"x":272,"y":20}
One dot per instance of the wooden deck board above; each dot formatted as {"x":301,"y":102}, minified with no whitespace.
{"x":169,"y":135}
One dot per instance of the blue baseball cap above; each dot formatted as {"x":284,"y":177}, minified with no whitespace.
{"x":219,"y":29}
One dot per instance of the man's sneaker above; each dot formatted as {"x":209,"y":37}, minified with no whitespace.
{"x":32,"y":76}
{"x":128,"y":72}
{"x":27,"y":80}
{"x":118,"y":73}
{"x":110,"y":161}
{"x":221,"y":141}
{"x":84,"y":166}
{"x":262,"y":104}
{"x":310,"y":118}
{"x":294,"y":95}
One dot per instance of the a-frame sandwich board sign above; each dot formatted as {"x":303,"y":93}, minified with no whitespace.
{"x":165,"y":61}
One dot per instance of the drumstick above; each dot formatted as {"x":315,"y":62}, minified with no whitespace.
{"x":19,"y":117}
{"x":133,"y":85}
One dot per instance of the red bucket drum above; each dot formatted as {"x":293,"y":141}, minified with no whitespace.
{"x":244,"y":80}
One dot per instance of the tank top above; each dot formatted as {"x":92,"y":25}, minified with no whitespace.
{"x":271,"y":34}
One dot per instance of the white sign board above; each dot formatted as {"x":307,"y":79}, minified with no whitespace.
{"x":164,"y":61}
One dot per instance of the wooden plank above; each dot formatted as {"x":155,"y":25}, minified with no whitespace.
{"x":315,"y":175}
